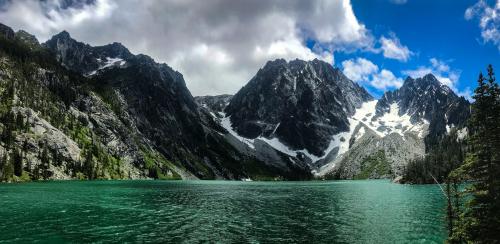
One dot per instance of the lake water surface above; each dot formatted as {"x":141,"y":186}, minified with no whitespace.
{"x":371,"y":211}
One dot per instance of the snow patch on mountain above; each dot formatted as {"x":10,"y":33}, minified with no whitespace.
{"x":273,"y":142}
{"x":113,"y":61}
{"x":390,"y":122}
{"x":110,"y":62}
{"x":386,"y":124}
{"x":226,"y":123}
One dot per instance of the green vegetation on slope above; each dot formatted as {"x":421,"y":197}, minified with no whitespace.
{"x":158,"y":166}
{"x":33,"y":79}
{"x":374,"y":166}
{"x":445,"y":155}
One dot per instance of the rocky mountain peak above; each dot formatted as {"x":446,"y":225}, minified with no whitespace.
{"x":62,"y":35}
{"x":137,"y":114}
{"x":426,"y":98}
{"x":7,"y":32}
{"x":85,"y":59}
{"x":399,"y":127}
{"x":427,"y":82}
{"x":302,"y":103}
{"x":115,"y":49}
{"x":27,"y":38}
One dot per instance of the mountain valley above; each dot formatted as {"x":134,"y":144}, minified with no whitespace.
{"x":73,"y":111}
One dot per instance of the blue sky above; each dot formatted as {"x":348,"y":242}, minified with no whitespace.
{"x":430,"y":29}
{"x":219,"y":45}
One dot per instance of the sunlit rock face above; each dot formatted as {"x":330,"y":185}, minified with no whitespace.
{"x":402,"y":125}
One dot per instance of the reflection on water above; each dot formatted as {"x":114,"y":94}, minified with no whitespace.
{"x":225,"y":211}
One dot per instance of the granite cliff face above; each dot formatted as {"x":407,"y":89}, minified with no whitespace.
{"x":311,"y":111}
{"x":103,"y":112}
{"x":302,"y":104}
{"x":400,"y":127}
{"x":69,"y":110}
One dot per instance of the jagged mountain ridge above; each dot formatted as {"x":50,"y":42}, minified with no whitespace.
{"x":426,"y":98}
{"x":394,"y":129}
{"x":291,"y":119}
{"x":83,"y":58}
{"x":301,"y":103}
{"x":157,"y":99}
{"x":402,"y":125}
{"x":132,"y":109}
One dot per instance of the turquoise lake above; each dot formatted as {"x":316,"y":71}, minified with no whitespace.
{"x":367,"y":211}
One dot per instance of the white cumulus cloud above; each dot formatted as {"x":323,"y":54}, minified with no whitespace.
{"x":392,"y":48}
{"x":359,"y":69}
{"x":489,"y":20}
{"x":386,"y":79}
{"x":218,"y":45}
{"x":365,"y":72}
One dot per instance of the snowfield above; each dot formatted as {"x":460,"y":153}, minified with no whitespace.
{"x":110,"y":62}
{"x":384,"y":125}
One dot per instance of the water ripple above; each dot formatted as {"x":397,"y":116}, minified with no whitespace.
{"x":221,"y":211}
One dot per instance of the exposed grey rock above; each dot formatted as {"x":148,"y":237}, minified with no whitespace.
{"x":27,"y":38}
{"x":7,"y":32}
{"x":301,"y":103}
{"x":428,"y":103}
{"x":426,"y":98}
{"x":152,"y":102}
{"x":397,"y":149}
{"x":215,"y":104}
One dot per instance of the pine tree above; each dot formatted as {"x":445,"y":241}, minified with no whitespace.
{"x":19,"y":121}
{"x":89,"y":165}
{"x":18,"y":162}
{"x":480,"y":220}
{"x":45,"y":164}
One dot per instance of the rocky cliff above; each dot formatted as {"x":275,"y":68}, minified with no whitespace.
{"x":102,"y":112}
{"x":301,"y":104}
{"x":311,"y":111}
{"x":70,"y":110}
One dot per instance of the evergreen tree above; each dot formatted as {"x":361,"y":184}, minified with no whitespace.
{"x":7,"y":133}
{"x":19,"y":121}
{"x":480,"y":220}
{"x":18,"y":162}
{"x":89,"y":165}
{"x":45,"y":164}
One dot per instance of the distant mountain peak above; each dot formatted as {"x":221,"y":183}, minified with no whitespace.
{"x":426,"y":98}
{"x":84,"y":58}
{"x":429,"y":76}
{"x":27,"y":38}
{"x":424,"y":81}
{"x":62,"y":35}
{"x":288,"y":100}
{"x":6,"y":31}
